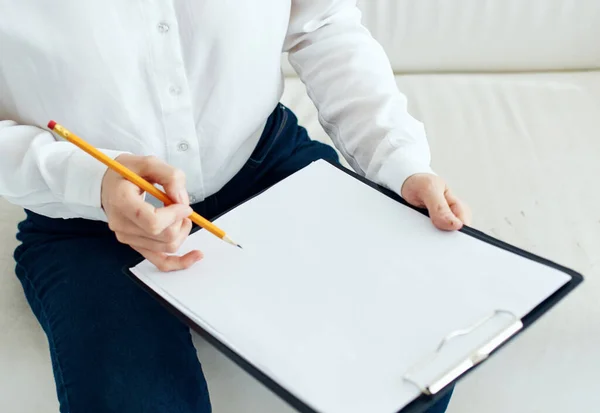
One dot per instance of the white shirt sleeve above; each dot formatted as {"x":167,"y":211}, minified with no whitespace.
{"x":349,"y":78}
{"x":49,"y":177}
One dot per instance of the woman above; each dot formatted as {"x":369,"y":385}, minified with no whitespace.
{"x":186,"y":94}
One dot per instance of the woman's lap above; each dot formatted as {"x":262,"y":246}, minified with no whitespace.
{"x":113,"y":347}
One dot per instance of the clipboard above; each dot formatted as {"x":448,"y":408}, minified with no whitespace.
{"x":429,"y":374}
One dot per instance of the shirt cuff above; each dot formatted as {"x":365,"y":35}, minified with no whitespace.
{"x":398,"y":167}
{"x":84,"y":181}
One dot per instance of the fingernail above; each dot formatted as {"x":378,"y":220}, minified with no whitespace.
{"x":453,"y":222}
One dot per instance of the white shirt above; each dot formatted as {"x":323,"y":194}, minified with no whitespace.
{"x":190,"y":81}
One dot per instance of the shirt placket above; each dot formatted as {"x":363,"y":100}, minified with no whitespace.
{"x":182,"y":144}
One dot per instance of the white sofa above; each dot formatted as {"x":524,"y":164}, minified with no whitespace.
{"x":509,"y":91}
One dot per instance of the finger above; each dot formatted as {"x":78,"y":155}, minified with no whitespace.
{"x":171,"y":179}
{"x":170,"y":234}
{"x":120,"y":223}
{"x":168,"y":263}
{"x":164,"y":218}
{"x":169,"y":241}
{"x":460,"y":210}
{"x":140,"y":242}
{"x":175,"y":233}
{"x":148,"y":244}
{"x":153,"y":221}
{"x":440,"y":212}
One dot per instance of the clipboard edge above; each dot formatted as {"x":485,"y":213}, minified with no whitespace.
{"x":242,"y":362}
{"x":422,"y":402}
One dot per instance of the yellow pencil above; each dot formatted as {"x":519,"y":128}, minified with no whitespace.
{"x":136,"y":179}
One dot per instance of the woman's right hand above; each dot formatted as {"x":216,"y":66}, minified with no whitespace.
{"x":154,"y":232}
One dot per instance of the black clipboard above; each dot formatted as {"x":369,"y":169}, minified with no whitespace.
{"x":425,"y":400}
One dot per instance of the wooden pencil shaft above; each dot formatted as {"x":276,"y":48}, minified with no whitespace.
{"x":133,"y":177}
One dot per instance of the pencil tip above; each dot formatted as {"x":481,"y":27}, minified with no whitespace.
{"x":230,"y":241}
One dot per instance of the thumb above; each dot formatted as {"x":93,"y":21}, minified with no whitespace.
{"x":170,"y":178}
{"x":439,"y":211}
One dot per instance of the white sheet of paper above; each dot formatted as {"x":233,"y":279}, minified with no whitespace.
{"x":340,"y":289}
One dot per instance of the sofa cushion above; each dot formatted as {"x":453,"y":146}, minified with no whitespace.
{"x":485,"y":35}
{"x":503,"y":141}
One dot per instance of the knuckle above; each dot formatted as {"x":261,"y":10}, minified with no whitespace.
{"x":123,"y":185}
{"x":177,"y":175}
{"x":162,"y":266}
{"x":153,"y":229}
{"x":172,"y":247}
{"x":171,"y":234}
{"x":115,"y":225}
{"x":150,"y":161}
{"x":429,"y":185}
{"x":126,"y":158}
{"x":122,"y":191}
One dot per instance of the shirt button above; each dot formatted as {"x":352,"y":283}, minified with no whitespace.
{"x":174,"y":90}
{"x":183,"y":146}
{"x":193,"y":199}
{"x":163,"y":27}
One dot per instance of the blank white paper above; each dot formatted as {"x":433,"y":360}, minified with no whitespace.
{"x":340,"y":289}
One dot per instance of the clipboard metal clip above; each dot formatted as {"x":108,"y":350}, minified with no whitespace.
{"x":434,"y":385}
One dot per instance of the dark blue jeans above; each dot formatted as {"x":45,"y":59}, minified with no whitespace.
{"x":113,"y":347}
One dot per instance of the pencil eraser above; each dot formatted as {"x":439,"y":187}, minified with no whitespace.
{"x":51,"y":124}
